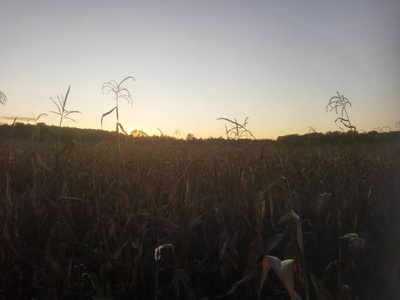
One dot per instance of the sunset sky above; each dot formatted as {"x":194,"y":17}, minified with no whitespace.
{"x":276,"y":62}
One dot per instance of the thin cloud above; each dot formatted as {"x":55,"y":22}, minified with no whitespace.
{"x":25,"y":119}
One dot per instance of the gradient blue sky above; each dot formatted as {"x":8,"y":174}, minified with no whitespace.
{"x":277,"y":62}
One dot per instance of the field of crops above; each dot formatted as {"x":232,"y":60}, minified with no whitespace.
{"x":201,"y":219}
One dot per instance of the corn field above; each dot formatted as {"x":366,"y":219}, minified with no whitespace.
{"x":175,"y":219}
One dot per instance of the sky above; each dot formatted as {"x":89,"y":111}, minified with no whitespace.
{"x":276,"y":62}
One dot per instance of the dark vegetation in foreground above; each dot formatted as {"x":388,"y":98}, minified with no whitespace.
{"x":84,"y":222}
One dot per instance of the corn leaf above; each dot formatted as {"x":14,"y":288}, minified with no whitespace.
{"x":106,"y":114}
{"x":284,"y":271}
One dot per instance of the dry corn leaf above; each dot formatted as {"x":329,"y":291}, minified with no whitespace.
{"x":277,"y":182}
{"x":293,"y":217}
{"x":67,"y":148}
{"x":96,"y":286}
{"x":356,"y":246}
{"x":121,"y":127}
{"x":197,"y":220}
{"x":158,"y":251}
{"x":259,"y":204}
{"x":249,"y":277}
{"x":236,"y":285}
{"x":223,"y":245}
{"x":284,"y":271}
{"x":106,"y":114}
{"x":349,"y":237}
{"x":275,"y":241}
{"x":36,"y":159}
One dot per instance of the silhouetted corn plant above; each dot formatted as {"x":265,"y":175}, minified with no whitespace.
{"x":120,"y":92}
{"x":36,"y":119}
{"x":36,"y":131}
{"x":340,"y":102}
{"x":63,"y":112}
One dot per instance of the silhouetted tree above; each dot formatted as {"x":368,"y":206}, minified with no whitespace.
{"x":139,"y":133}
